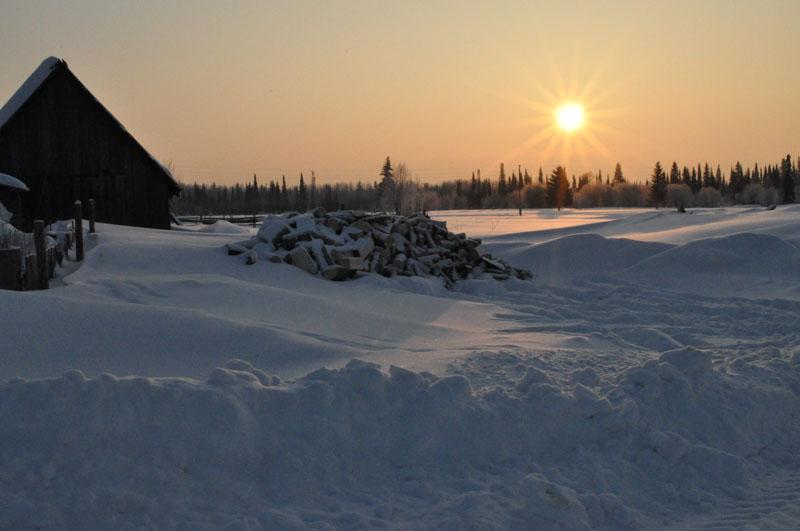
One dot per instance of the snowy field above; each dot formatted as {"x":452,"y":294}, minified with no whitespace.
{"x":646,"y":378}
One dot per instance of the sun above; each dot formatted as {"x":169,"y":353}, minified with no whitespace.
{"x":570,"y":117}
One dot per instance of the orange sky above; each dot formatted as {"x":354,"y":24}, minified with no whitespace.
{"x":224,"y":90}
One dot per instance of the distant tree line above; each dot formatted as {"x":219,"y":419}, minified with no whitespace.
{"x":397,"y":191}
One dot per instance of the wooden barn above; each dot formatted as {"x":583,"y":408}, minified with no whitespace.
{"x":58,"y":139}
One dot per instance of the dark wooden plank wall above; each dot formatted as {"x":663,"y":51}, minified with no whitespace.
{"x":65,"y":146}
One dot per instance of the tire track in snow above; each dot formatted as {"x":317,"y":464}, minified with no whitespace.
{"x":774,"y":505}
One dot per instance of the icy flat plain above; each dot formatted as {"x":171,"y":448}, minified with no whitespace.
{"x":647,"y":378}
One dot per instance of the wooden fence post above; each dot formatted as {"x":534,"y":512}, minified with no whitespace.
{"x":78,"y":232}
{"x":91,"y":216}
{"x":31,"y":273}
{"x":41,"y":254}
{"x":51,"y":262}
{"x":67,"y":244}
{"x":10,"y":267}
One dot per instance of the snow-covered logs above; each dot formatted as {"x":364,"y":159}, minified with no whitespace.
{"x":340,"y":245}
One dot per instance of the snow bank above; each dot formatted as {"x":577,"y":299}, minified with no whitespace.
{"x":141,"y":292}
{"x":224,"y":227}
{"x":746,"y":264}
{"x":8,"y":181}
{"x":5,"y":215}
{"x":581,"y":255}
{"x":357,"y":447}
{"x":597,"y":401}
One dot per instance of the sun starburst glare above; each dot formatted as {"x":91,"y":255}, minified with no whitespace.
{"x":570,"y":117}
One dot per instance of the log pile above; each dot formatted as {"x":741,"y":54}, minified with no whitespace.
{"x":344,"y":244}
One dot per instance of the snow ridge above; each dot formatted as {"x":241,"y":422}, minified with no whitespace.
{"x":358,"y":444}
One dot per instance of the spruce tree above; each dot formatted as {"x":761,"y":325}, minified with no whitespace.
{"x":674,"y":174}
{"x":312,"y":193}
{"x":695,"y":184}
{"x":386,"y":186}
{"x":708,"y":177}
{"x":558,"y":191}
{"x":501,"y":181}
{"x":658,"y":185}
{"x":775,"y":176}
{"x":687,"y":176}
{"x":301,"y":202}
{"x":474,"y":193}
{"x":787,"y":180}
{"x":737,"y":179}
{"x":618,"y":177}
{"x":387,"y":170}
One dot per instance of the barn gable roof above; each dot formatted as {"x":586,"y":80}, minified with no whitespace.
{"x":38,"y":78}
{"x":27,"y":89}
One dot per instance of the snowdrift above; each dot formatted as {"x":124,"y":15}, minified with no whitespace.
{"x":751,"y":264}
{"x":630,"y":385}
{"x":222,"y":226}
{"x":351,"y":447}
{"x":582,"y":254}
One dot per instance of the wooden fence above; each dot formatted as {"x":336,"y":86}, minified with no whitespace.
{"x":21,"y":271}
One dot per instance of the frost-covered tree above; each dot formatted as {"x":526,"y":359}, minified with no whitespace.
{"x":708,"y":197}
{"x":594,"y":194}
{"x":402,"y":185}
{"x":679,"y":195}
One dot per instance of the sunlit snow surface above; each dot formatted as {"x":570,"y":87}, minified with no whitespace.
{"x":648,"y":377}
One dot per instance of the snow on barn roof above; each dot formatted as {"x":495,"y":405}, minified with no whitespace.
{"x":7,"y":181}
{"x":32,"y":84}
{"x":27,"y":89}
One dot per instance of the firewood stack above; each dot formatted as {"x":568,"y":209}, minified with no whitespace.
{"x":344,"y":244}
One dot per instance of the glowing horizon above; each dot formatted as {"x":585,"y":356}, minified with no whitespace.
{"x":225,"y":91}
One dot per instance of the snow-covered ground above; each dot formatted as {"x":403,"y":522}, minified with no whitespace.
{"x":648,"y":377}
